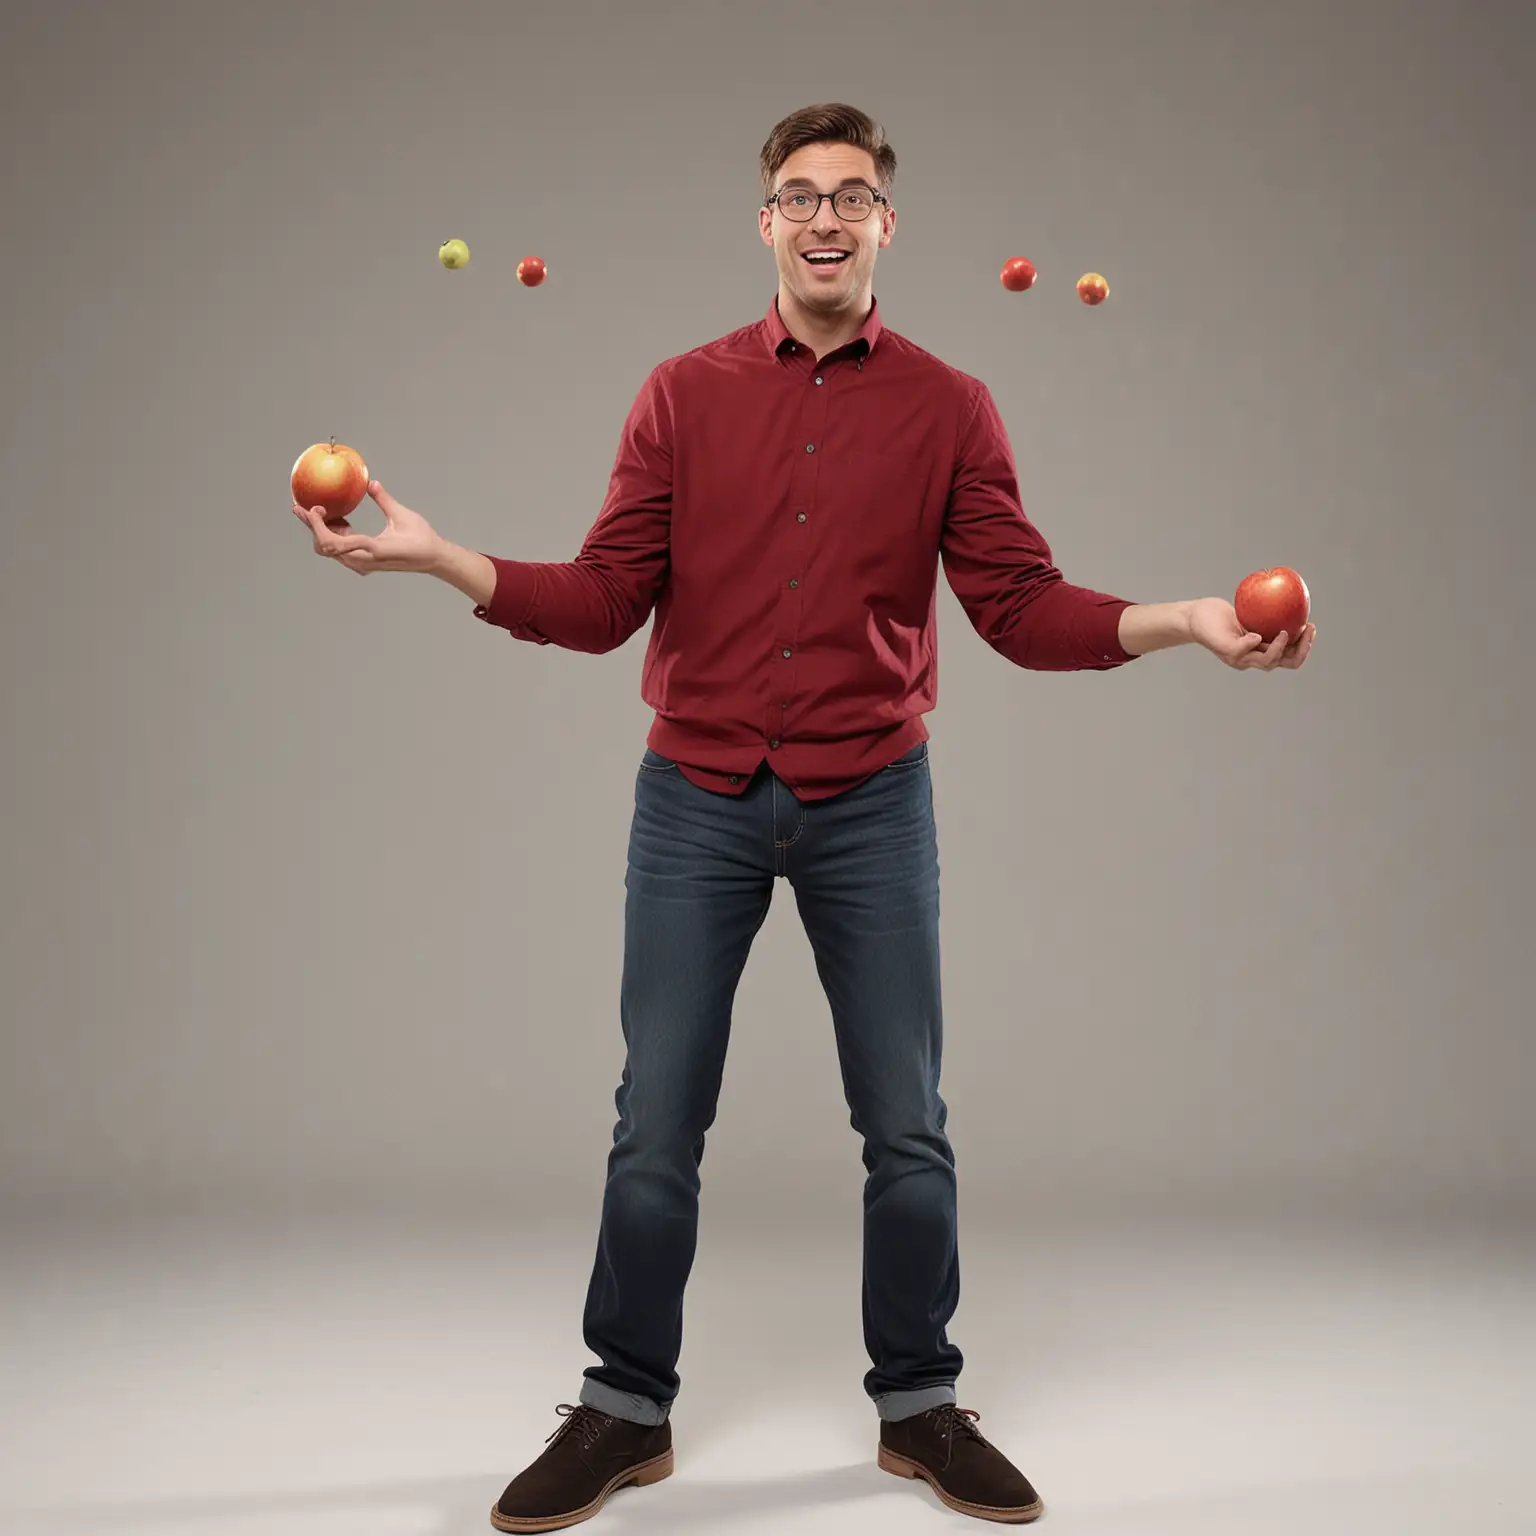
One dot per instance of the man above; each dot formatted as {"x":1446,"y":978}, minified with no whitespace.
{"x":781,"y":499}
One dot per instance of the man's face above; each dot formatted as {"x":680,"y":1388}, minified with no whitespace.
{"x":827,"y":288}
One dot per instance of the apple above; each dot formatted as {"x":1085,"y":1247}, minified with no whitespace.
{"x":1092,"y":289}
{"x":531,"y":271}
{"x":330,"y":476}
{"x":1270,"y":600}
{"x":1018,"y":274}
{"x":453,"y":254}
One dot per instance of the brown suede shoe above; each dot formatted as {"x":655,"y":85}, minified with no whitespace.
{"x":945,"y":1449}
{"x":592,"y":1454}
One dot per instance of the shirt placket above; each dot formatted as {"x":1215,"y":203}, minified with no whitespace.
{"x":794,"y":548}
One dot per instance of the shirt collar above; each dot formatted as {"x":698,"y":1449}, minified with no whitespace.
{"x":859,"y":346}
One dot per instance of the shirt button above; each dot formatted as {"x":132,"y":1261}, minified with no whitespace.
{"x":774,"y":744}
{"x":786,"y":653}
{"x":810,"y":447}
{"x":818,"y":380}
{"x":799,"y":517}
{"x":793,"y":583}
{"x":735,"y":778}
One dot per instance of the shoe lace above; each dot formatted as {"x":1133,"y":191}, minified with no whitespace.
{"x":583,"y":1424}
{"x":950,"y":1421}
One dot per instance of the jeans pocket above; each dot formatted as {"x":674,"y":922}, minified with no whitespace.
{"x":654,"y":762}
{"x":913,"y":759}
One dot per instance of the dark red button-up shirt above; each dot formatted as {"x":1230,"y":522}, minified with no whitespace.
{"x":785,"y":516}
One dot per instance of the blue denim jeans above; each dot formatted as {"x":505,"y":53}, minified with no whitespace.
{"x":864,"y":869}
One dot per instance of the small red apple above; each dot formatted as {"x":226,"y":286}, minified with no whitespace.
{"x":331,"y":476}
{"x":1270,"y":600}
{"x":1018,"y":274}
{"x":1092,"y":289}
{"x":531,"y":271}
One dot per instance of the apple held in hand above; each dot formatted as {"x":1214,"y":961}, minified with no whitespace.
{"x":331,"y":476}
{"x":1270,"y":600}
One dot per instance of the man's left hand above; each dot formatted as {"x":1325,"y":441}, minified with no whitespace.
{"x":1214,"y":623}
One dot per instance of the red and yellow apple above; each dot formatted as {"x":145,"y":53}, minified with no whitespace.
{"x":330,"y":476}
{"x":1092,"y":289}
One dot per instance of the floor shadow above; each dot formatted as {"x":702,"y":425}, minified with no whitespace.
{"x":464,"y":1504}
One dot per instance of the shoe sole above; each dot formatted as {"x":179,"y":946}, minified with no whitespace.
{"x":641,"y":1475}
{"x":904,"y":1467}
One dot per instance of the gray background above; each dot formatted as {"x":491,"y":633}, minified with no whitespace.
{"x":313,"y":885}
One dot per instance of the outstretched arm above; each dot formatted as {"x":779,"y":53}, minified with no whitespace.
{"x":1213,"y":623}
{"x":1000,"y":567}
{"x":593,"y":603}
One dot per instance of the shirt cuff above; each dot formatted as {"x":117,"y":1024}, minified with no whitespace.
{"x":511,"y":604}
{"x":1102,"y":632}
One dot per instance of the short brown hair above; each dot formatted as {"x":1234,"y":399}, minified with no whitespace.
{"x":829,"y":122}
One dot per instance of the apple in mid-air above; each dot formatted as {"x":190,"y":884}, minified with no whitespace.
{"x":1018,"y":274}
{"x":1092,"y":289}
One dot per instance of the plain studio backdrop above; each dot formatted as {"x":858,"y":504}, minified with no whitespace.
{"x":313,"y":884}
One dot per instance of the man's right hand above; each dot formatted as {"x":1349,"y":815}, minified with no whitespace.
{"x":408,"y":542}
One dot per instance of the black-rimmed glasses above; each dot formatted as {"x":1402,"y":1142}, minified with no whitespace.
{"x":802,"y":204}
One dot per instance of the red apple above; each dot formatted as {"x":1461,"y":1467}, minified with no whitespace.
{"x":1018,"y":274}
{"x":1271,"y":600}
{"x":531,"y":271}
{"x":1092,"y":289}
